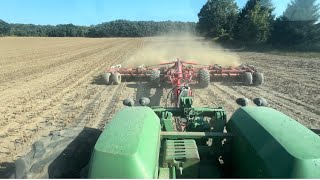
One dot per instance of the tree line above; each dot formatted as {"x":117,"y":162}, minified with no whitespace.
{"x":118,"y":28}
{"x":256,"y":22}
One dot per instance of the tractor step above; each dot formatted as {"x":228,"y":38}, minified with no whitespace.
{"x":184,"y":155}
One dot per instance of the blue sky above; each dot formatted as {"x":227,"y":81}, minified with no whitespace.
{"x":88,"y":12}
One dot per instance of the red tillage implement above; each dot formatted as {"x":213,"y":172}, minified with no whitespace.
{"x":181,"y":74}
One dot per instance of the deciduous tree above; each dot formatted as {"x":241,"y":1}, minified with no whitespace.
{"x":254,"y":23}
{"x":217,"y":18}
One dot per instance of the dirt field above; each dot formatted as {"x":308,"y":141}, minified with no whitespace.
{"x":49,"y":84}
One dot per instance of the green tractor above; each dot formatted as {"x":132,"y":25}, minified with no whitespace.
{"x":199,"y":142}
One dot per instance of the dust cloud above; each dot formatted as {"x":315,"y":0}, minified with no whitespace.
{"x":185,"y":47}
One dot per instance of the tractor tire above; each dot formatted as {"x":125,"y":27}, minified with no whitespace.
{"x":106,"y":77}
{"x":155,"y":77}
{"x":62,"y":154}
{"x":204,"y":78}
{"x":116,"y":78}
{"x":258,"y":78}
{"x":247,"y":78}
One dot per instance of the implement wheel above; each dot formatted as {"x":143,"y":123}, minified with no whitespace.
{"x":155,"y":77}
{"x":204,"y":78}
{"x":258,"y":78}
{"x":247,"y":78}
{"x":116,"y":78}
{"x":106,"y":77}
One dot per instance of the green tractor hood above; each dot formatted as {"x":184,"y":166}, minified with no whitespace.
{"x":268,"y":143}
{"x":128,"y":147}
{"x":141,"y":142}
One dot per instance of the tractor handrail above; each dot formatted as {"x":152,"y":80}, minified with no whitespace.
{"x":193,"y":135}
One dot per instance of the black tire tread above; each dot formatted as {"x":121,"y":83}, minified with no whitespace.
{"x":116,"y":78}
{"x":62,"y":154}
{"x":258,"y":78}
{"x":204,"y":78}
{"x":247,"y":78}
{"x":155,"y":77}
{"x":107,"y":78}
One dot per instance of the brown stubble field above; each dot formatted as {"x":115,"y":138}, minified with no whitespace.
{"x":51,"y":84}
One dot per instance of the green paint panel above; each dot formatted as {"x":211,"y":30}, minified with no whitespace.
{"x":167,"y":121}
{"x":129,"y":146}
{"x":164,"y":173}
{"x":167,"y":173}
{"x":267,"y":143}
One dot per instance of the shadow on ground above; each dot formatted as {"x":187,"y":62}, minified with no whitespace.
{"x":144,"y":89}
{"x":231,"y":83}
{"x":98,"y":80}
{"x":7,"y":170}
{"x":317,"y":131}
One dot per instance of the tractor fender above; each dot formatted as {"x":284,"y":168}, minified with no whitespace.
{"x":269,"y":144}
{"x":128,"y":147}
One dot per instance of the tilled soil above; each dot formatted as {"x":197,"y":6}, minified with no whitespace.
{"x":48,"y":85}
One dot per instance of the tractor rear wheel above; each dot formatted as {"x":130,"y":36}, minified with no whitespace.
{"x":258,"y":78}
{"x":106,"y":77}
{"x":62,"y":154}
{"x":204,"y":78}
{"x":247,"y":78}
{"x":116,"y":78}
{"x":155,"y":77}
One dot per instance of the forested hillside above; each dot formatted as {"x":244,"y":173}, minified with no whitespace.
{"x":255,"y":23}
{"x":118,"y":28}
